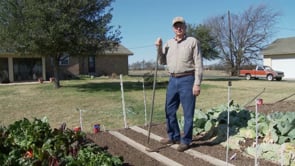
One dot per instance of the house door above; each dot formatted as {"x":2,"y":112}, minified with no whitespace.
{"x":91,"y":64}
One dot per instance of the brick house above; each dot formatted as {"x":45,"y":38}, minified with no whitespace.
{"x":15,"y":68}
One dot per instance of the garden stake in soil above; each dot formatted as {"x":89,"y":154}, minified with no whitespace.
{"x":258,"y":103}
{"x":123,"y":102}
{"x":144,"y":102}
{"x":153,"y":100}
{"x":81,"y":123}
{"x":228,"y":111}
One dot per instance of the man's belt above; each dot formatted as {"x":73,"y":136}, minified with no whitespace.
{"x":177,"y":75}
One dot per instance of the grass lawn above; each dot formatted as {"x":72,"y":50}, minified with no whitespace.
{"x":101,"y":100}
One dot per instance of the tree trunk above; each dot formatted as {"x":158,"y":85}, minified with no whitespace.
{"x":56,"y":72}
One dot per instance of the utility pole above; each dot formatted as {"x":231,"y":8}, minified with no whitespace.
{"x":229,"y":90}
{"x":230,"y":42}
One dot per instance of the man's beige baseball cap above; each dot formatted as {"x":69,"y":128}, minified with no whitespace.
{"x":178,"y":19}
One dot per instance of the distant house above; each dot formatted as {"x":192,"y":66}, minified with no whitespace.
{"x":15,"y":68}
{"x":280,"y":55}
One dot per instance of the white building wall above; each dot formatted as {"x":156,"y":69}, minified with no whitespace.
{"x":267,"y":61}
{"x":286,"y":65}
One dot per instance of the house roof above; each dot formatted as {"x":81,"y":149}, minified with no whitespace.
{"x":120,"y":50}
{"x":280,"y":46}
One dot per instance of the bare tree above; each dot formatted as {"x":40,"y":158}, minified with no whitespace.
{"x":241,"y":37}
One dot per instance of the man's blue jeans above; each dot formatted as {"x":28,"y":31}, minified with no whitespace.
{"x":180,"y":91}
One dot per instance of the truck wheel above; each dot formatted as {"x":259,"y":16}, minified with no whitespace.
{"x":269,"y":77}
{"x":248,"y":77}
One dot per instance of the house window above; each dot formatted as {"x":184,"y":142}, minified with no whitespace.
{"x":64,"y":60}
{"x":4,"y":70}
{"x":91,"y":64}
{"x":26,"y":69}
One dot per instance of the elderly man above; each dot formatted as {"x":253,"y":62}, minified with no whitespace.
{"x":183,"y":58}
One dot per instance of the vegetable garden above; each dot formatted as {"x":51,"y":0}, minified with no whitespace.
{"x":34,"y":142}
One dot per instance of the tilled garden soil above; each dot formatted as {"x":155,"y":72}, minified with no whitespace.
{"x":134,"y":157}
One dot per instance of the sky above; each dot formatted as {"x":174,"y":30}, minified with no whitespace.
{"x":143,"y":21}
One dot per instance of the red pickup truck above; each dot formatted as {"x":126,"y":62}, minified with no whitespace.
{"x":262,"y":72}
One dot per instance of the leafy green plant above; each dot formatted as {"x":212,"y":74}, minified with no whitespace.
{"x":276,"y":129}
{"x":282,"y":125}
{"x":35,"y":143}
{"x":207,"y":121}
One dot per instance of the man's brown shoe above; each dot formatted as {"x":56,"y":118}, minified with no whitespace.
{"x":167,"y":141}
{"x":182,"y":147}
